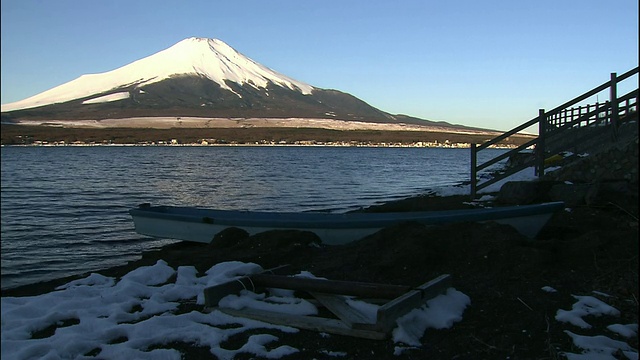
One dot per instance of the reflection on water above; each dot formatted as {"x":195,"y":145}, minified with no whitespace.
{"x":65,"y":209}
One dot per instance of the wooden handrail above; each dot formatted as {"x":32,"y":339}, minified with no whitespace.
{"x":507,"y":173}
{"x":594,"y":91}
{"x":605,"y":106}
{"x":507,"y":134}
{"x":597,"y":120}
{"x":612,"y":110}
{"x":499,"y":158}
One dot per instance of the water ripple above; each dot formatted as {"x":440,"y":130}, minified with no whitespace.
{"x":65,"y":209}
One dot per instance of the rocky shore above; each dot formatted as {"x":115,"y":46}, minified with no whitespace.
{"x":589,"y":247}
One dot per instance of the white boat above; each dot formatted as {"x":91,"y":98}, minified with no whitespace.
{"x":201,"y":225}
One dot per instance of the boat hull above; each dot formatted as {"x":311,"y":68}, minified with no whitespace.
{"x":201,"y":225}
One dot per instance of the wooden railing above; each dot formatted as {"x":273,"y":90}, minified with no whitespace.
{"x":558,"y":130}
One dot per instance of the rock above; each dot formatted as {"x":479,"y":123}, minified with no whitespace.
{"x":574,"y":194}
{"x":618,"y":187}
{"x":520,"y":158}
{"x":524,"y":192}
{"x":279,"y":239}
{"x":229,"y":237}
{"x":613,"y":161}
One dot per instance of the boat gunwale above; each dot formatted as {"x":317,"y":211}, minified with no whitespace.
{"x":317,"y":220}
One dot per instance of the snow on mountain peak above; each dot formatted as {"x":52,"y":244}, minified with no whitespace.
{"x":210,"y":58}
{"x":214,"y":59}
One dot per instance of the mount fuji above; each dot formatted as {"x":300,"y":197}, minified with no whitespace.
{"x":197,"y":77}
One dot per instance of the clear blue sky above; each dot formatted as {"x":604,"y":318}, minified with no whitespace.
{"x":490,"y":64}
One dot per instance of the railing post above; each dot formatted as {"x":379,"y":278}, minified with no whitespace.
{"x":473,"y":171}
{"x":540,"y":146}
{"x":613,"y":97}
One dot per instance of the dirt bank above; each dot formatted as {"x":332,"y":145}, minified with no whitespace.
{"x":581,"y":250}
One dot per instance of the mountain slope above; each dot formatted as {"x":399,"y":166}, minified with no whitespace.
{"x":207,"y":58}
{"x":196,"y":77}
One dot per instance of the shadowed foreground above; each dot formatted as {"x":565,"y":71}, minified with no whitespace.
{"x":581,"y":250}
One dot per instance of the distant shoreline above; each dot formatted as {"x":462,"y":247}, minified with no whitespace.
{"x":168,"y":122}
{"x":443,"y":146}
{"x":22,"y":134}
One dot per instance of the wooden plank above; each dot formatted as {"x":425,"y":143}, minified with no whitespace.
{"x":353,"y":318}
{"x":332,"y":326}
{"x":213,"y":294}
{"x":354,"y":288}
{"x":391,"y":311}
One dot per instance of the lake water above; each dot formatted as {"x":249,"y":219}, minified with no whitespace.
{"x":65,"y":209}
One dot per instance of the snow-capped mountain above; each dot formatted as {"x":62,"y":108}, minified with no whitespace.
{"x":206,"y":58}
{"x":196,"y":77}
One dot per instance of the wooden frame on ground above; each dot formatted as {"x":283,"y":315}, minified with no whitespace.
{"x":333,"y":295}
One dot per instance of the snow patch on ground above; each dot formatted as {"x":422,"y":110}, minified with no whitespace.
{"x":599,"y":346}
{"x":124,"y":319}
